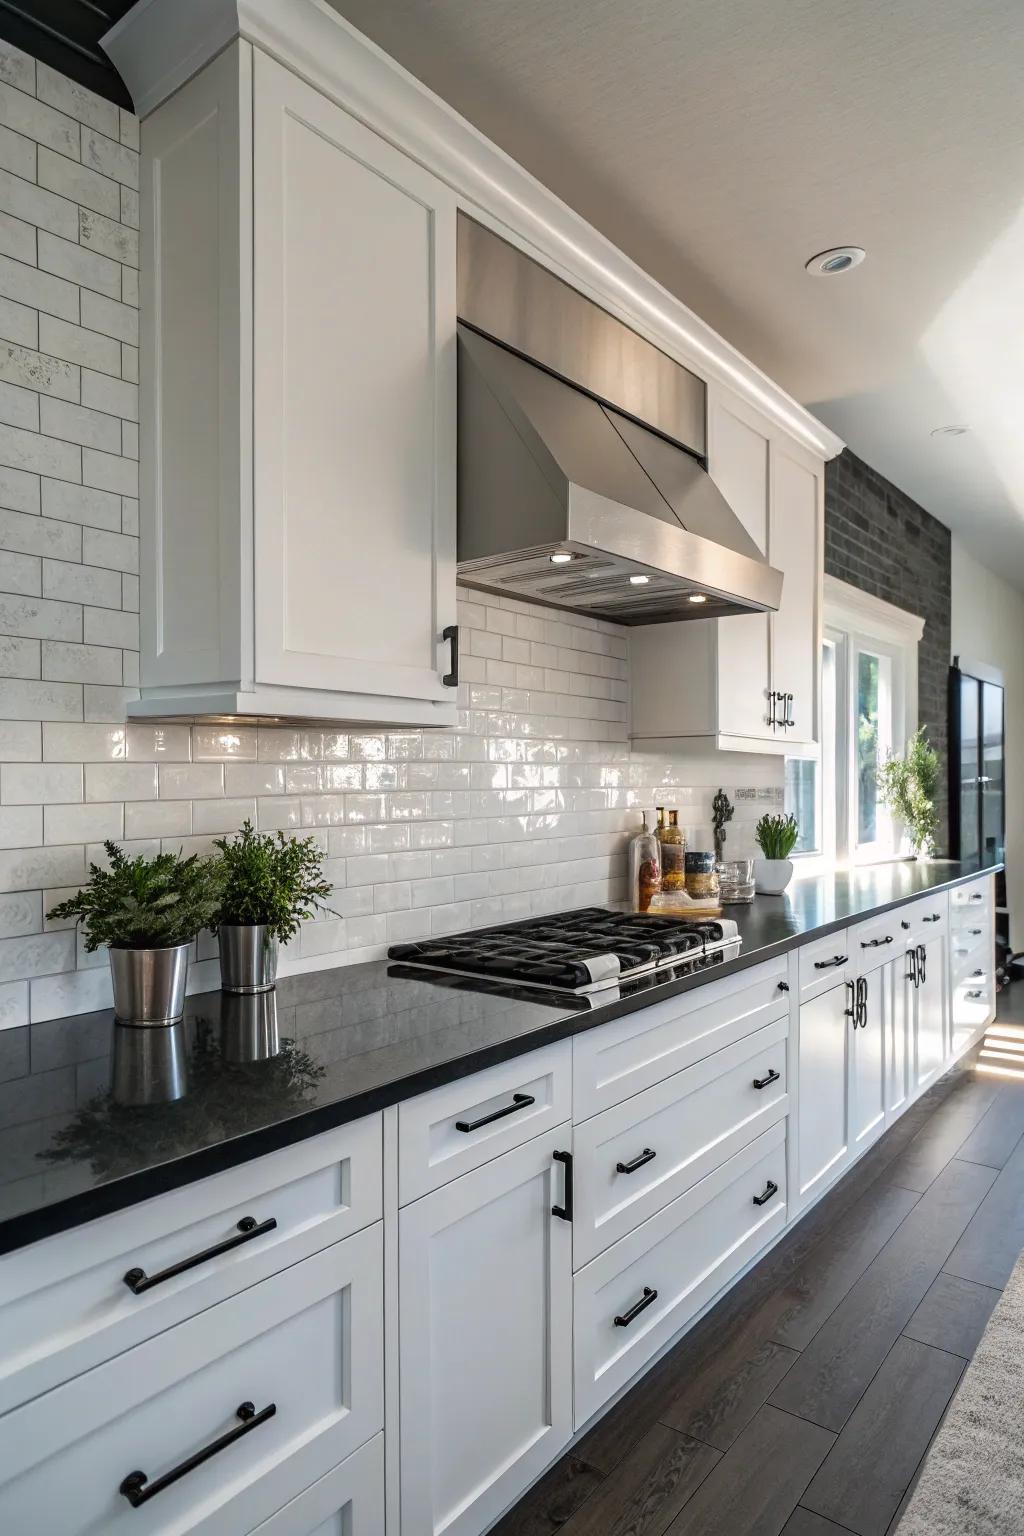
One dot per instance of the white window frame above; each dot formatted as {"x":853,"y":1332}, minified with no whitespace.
{"x":855,"y":621}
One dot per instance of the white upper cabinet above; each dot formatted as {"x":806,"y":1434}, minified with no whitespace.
{"x":750,"y":682}
{"x":299,"y":409}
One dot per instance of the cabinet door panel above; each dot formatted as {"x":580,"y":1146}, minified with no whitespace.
{"x":738,"y":464}
{"x":795,"y":549}
{"x":354,"y":392}
{"x":823,"y":1116}
{"x":932,"y":1006}
{"x":485,"y":1298}
{"x":867,"y":1063}
{"x":900,"y":1040}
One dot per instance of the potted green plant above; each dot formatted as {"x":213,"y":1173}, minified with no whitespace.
{"x":776,"y":836}
{"x":269,"y":884}
{"x":907,"y":785}
{"x":146,"y":912}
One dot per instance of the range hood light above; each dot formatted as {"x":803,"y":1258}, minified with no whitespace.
{"x":639,"y":581}
{"x":697,"y":597}
{"x":560,"y":557}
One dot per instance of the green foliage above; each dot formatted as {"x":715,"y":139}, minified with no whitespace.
{"x":777,"y":836}
{"x":271,"y":880}
{"x":908,"y":785}
{"x":144,"y":903}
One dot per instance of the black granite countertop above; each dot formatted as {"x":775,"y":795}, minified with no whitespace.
{"x":253,"y":1075}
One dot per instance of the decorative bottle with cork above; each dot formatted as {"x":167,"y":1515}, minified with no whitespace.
{"x":673,"y":854}
{"x":644,"y":867}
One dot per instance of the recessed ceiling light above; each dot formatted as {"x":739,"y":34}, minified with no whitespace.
{"x":560,"y":557}
{"x":841,"y":258}
{"x":954,"y":431}
{"x":696,"y":597}
{"x":639,"y":581}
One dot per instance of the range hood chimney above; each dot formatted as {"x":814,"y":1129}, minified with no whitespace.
{"x":579,"y":438}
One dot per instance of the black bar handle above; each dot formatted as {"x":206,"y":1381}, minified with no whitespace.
{"x":138,"y":1281}
{"x":762,"y":1082}
{"x":912,"y":956}
{"x":519,"y":1101}
{"x":783,"y":986}
{"x":772,"y":696}
{"x":977,"y":973}
{"x":977,"y":896}
{"x":824,"y":965}
{"x":936,"y":917}
{"x":851,"y":1012}
{"x":922,"y":962}
{"x":904,"y":924}
{"x":875,"y":943}
{"x":646,"y":1156}
{"x":771,"y":1188}
{"x":137,"y":1488}
{"x":625,"y":1318}
{"x":451,"y":632}
{"x":975,"y":932}
{"x":973,"y":995}
{"x":564,"y":1212}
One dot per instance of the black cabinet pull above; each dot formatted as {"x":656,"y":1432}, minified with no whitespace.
{"x":973,"y":995}
{"x":875,"y":943}
{"x":977,"y":896}
{"x":904,"y":924}
{"x":861,"y":1021}
{"x":564,"y":1212}
{"x":451,"y":632}
{"x":912,"y":956}
{"x":646,"y":1156}
{"x":824,"y":965}
{"x":137,"y":1488}
{"x":922,"y":963}
{"x":762,"y":1082}
{"x":936,"y":917}
{"x":783,"y":986}
{"x":138,"y":1281}
{"x":771,"y":1188}
{"x":977,"y":973}
{"x":625,"y":1318}
{"x":519,"y":1101}
{"x":851,"y":1012}
{"x":772,"y":696}
{"x":975,"y":932}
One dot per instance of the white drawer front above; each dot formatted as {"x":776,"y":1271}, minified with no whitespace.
{"x":974,"y":1002}
{"x":64,"y":1303}
{"x":921,"y":920}
{"x":349,"y":1501}
{"x":308,"y":1340}
{"x":685,"y":1254}
{"x":823,"y":963}
{"x":973,"y":896}
{"x":692,"y":1122}
{"x":616,"y":1060}
{"x":877,"y":940}
{"x":459,"y":1126}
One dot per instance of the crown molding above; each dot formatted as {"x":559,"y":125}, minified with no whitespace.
{"x":160,"y":44}
{"x":849,"y":607}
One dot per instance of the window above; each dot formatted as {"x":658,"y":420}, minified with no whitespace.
{"x":868,"y":709}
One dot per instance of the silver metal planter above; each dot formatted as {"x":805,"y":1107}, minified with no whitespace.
{"x":149,"y":984}
{"x":248,"y":957}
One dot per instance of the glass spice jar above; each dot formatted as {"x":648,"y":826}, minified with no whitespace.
{"x":701,"y":875}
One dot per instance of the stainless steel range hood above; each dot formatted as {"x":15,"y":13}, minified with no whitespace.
{"x":548,"y":468}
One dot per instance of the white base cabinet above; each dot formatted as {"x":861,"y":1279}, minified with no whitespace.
{"x":485,"y":1302}
{"x":824,"y":1118}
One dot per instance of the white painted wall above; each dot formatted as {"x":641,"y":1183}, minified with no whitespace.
{"x":988,"y":626}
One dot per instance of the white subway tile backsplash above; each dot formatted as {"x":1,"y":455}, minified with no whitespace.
{"x":65,"y":662}
{"x":41,"y":784}
{"x":76,"y":263}
{"x":18,"y":323}
{"x":19,"y":491}
{"x":20,"y":658}
{"x":39,"y":618}
{"x":221,"y":816}
{"x":108,"y":781}
{"x":35,"y":535}
{"x":39,"y":454}
{"x":194,"y":781}
{"x":78,"y":183}
{"x":21,"y":574}
{"x":82,"y":823}
{"x":106,"y":703}
{"x":75,"y":100}
{"x":110,"y":626}
{"x":158,"y":818}
{"x":54,"y":997}
{"x":35,"y":370}
{"x":109,"y":316}
{"x":79,"y":424}
{"x":110,"y":472}
{"x":73,"y":583}
{"x":33,"y":869}
{"x":35,"y":205}
{"x":21,"y":826}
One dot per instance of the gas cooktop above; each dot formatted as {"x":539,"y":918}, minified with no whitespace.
{"x":578,"y":952}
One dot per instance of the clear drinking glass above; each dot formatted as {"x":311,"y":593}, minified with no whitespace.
{"x":736,"y":881}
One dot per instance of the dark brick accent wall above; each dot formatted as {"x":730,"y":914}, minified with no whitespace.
{"x":879,"y":540}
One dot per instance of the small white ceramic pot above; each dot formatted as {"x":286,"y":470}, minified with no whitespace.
{"x":771,"y":876}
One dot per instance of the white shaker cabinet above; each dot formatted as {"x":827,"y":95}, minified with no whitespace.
{"x":485,"y":1299}
{"x":931,"y":1009}
{"x":824,"y":1115}
{"x":748,"y":682}
{"x":298,"y":412}
{"x":869,"y":1041}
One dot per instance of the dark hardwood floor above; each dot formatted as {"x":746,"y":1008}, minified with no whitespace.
{"x":804,"y":1403}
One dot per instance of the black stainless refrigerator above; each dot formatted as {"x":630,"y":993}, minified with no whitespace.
{"x":977,"y":771}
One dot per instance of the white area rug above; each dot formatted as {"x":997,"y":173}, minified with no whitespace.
{"x":972,"y":1483}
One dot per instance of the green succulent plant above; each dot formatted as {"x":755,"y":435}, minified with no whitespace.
{"x":144,"y":903}
{"x":777,"y":836}
{"x":271,"y":879}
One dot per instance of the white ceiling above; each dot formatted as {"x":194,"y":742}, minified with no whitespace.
{"x":722,"y":144}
